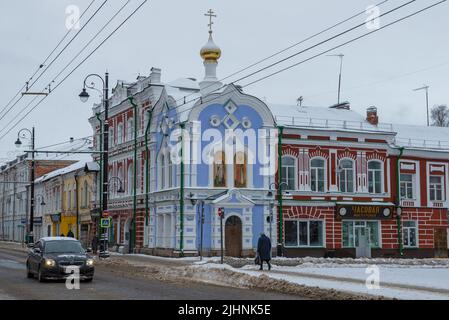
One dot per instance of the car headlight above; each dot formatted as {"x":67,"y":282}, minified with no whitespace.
{"x":50,"y":263}
{"x":89,"y":262}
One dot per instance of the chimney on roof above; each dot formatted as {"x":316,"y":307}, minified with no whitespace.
{"x":371,"y":115}
{"x":343,"y":106}
{"x":155,"y":76}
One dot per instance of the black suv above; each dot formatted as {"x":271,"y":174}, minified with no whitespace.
{"x":54,"y":258}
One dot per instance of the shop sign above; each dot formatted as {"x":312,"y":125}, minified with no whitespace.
{"x":361,"y":211}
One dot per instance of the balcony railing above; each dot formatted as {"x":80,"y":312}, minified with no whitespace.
{"x":333,"y":124}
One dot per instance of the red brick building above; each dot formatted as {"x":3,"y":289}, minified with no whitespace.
{"x":356,"y":187}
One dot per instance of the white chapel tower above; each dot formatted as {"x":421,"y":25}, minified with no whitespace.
{"x":210,"y":53}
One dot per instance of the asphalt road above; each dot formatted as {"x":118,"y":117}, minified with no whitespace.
{"x":107,"y":285}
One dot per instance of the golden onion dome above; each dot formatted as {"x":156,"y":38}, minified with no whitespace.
{"x":210,"y":51}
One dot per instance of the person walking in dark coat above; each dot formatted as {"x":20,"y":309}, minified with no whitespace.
{"x":70,"y":234}
{"x":264,"y":250}
{"x":95,"y":244}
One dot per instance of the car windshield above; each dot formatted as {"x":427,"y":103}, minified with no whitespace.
{"x":63,"y":247}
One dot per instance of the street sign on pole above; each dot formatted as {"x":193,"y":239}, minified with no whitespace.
{"x":105,"y":222}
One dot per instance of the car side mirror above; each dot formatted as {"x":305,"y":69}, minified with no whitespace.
{"x":89,"y":250}
{"x":30,"y":245}
{"x":37,"y":251}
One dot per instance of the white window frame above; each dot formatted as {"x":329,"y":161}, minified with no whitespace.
{"x":323,"y":225}
{"x":130,"y":129}
{"x":316,"y":172}
{"x":433,"y":186}
{"x":295,"y":172}
{"x":406,"y":233}
{"x":406,"y":186}
{"x":372,"y":171}
{"x":341,"y":170}
{"x":120,"y":133}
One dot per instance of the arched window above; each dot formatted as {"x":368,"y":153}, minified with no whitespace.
{"x":130,"y":129}
{"x":240,"y":162}
{"x":120,"y":182}
{"x":219,"y":169}
{"x":170,"y":171}
{"x":317,"y":175}
{"x":374,"y":177}
{"x":130,"y":179}
{"x":289,"y":172}
{"x":346,"y":175}
{"x":120,"y":133}
{"x":162,"y":166}
{"x":110,"y":138}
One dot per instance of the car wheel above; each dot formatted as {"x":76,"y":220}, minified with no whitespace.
{"x":40,"y":277}
{"x":29,"y":273}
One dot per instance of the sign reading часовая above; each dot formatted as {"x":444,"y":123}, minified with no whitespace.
{"x":363,"y":211}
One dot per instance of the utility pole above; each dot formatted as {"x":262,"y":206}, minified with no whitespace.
{"x":84,"y":96}
{"x":339,"y":76}
{"x":18,"y":143}
{"x":426,"y":88}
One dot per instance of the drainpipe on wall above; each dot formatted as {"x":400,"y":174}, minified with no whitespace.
{"x":147,"y":167}
{"x":77,"y":206}
{"x":131,"y":100}
{"x":181,"y":201}
{"x":100,"y":198}
{"x":398,"y":200}
{"x":281,"y":220}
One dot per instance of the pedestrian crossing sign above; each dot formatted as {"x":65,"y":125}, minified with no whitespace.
{"x":105,"y":222}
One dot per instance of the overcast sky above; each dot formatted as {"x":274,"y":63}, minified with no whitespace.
{"x":380,"y":70}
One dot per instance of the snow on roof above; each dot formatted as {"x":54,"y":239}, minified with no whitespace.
{"x":92,"y":166}
{"x":56,"y":173}
{"x":185,"y":83}
{"x":323,"y":117}
{"x":178,"y":95}
{"x":58,"y":239}
{"x":422,"y":137}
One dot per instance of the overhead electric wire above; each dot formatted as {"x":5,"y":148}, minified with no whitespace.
{"x":315,"y":56}
{"x":300,"y":52}
{"x":43,"y":63}
{"x":290,"y":47}
{"x":71,"y":40}
{"x":67,"y":65}
{"x":91,"y":40}
{"x":81,"y":63}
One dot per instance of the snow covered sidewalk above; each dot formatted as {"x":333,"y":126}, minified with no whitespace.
{"x":407,"y":279}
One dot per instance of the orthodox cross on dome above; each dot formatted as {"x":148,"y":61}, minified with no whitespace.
{"x":211,"y":15}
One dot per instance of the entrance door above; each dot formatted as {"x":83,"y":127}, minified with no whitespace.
{"x":233,"y":237}
{"x":440,"y":243}
{"x":363,"y":247}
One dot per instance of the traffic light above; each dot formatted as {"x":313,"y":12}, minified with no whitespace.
{"x":221,"y":212}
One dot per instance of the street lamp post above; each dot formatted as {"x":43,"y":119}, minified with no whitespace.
{"x":18,"y":144}
{"x":84,"y":96}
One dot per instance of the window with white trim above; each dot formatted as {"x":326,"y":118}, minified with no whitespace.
{"x":162,"y":166}
{"x":410,"y":234}
{"x":346,"y":175}
{"x":289,"y":172}
{"x":131,"y":179}
{"x":374,"y":177}
{"x":120,"y":133}
{"x":304,"y":233}
{"x":436,"y":188}
{"x":130,"y":130}
{"x":317,"y":175}
{"x":407,"y":186}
